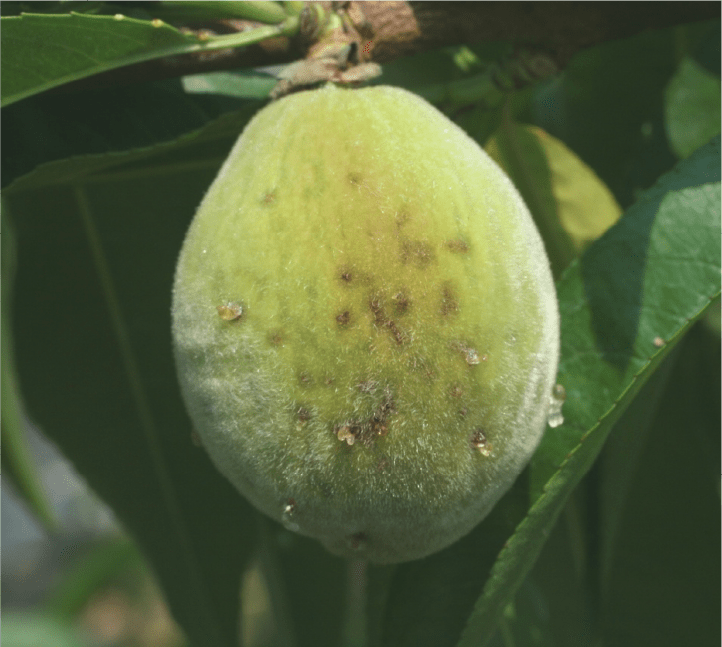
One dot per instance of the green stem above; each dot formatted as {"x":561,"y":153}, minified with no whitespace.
{"x":276,"y":586}
{"x":355,"y":624}
{"x":270,"y":13}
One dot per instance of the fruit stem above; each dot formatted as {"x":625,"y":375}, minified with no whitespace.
{"x":355,"y":623}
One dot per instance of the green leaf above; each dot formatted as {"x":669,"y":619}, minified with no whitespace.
{"x":59,"y":125}
{"x":92,"y":340}
{"x":669,"y":523}
{"x":525,"y":621}
{"x":570,"y":204}
{"x":199,"y":151}
{"x":623,"y":307}
{"x":692,"y":107}
{"x":308,"y":588}
{"x":41,"y":51}
{"x":607,"y":108}
{"x":17,"y":460}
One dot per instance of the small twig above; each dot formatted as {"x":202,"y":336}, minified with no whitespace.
{"x":385,"y":31}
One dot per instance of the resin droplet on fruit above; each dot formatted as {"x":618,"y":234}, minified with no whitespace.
{"x":365,"y":324}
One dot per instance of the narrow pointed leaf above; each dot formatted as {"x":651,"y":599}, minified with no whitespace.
{"x":92,"y":340}
{"x":623,"y":306}
{"x":17,"y":460}
{"x":42,"y":51}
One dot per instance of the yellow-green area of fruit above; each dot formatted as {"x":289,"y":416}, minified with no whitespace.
{"x":375,"y":293}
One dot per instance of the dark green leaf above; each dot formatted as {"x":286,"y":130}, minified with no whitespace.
{"x":623,"y":307}
{"x":669,"y":523}
{"x":56,"y":126}
{"x":200,"y":151}
{"x":18,"y":463}
{"x":692,"y":107}
{"x":92,"y":327}
{"x":607,"y":108}
{"x":42,"y":51}
{"x":308,"y":588}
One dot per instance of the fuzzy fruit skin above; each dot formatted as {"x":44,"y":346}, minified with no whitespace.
{"x":365,"y":324}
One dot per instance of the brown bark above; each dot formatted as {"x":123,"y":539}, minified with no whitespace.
{"x":385,"y":31}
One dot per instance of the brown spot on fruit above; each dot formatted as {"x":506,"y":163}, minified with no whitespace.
{"x":457,"y":246}
{"x":456,"y":390}
{"x":367,"y":430}
{"x":303,"y":414}
{"x":401,"y":302}
{"x":416,"y":252}
{"x":449,"y":302}
{"x":269,"y":197}
{"x":305,"y":378}
{"x":382,"y":321}
{"x":354,"y":178}
{"x":480,"y":442}
{"x":231,"y":311}
{"x":276,"y":337}
{"x":357,"y":541}
{"x":343,"y":318}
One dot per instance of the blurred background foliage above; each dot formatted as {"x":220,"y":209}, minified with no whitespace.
{"x":99,"y":186}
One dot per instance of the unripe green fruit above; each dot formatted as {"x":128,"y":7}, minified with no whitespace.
{"x":365,"y":324}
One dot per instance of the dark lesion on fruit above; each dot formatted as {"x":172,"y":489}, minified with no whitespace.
{"x":480,"y":442}
{"x":382,"y":321}
{"x":358,"y":541}
{"x":416,"y":252}
{"x":276,"y":337}
{"x":269,"y":197}
{"x":458,"y":246}
{"x":449,"y":300}
{"x":456,"y":390}
{"x":346,"y":275}
{"x":401,"y":302}
{"x":305,"y":378}
{"x":366,"y":431}
{"x":402,"y":217}
{"x":303,"y":414}
{"x":354,"y":178}
{"x":343,"y":318}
